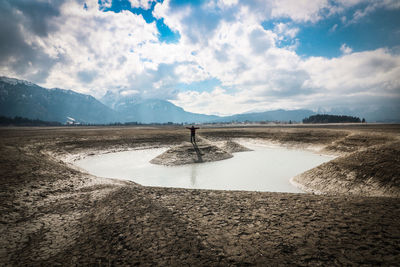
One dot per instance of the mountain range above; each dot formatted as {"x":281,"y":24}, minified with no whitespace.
{"x":132,"y":108}
{"x":25,"y":99}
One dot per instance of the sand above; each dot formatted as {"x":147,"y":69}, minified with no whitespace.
{"x":54,"y":214}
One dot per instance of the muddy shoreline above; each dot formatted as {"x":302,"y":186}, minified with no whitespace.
{"x":55,"y":214}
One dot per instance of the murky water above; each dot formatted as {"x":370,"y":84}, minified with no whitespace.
{"x":267,"y":168}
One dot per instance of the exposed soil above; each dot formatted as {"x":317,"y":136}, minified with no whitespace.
{"x":233,"y":147}
{"x":54,"y":214}
{"x":188,"y":153}
{"x":198,"y":152}
{"x":371,"y":171}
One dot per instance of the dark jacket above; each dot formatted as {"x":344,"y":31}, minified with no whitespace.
{"x":192,"y":129}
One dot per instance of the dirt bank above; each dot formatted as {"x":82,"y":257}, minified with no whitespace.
{"x":372,"y":171}
{"x":233,"y":147}
{"x":52,"y":214}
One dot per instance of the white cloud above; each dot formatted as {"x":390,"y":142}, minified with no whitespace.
{"x":221,"y":102}
{"x":370,"y":7}
{"x":334,"y":27}
{"x":145,"y":4}
{"x":227,"y":3}
{"x":345,"y":49}
{"x":366,"y":72}
{"x":191,"y":72}
{"x":174,"y":18}
{"x":285,"y":30}
{"x":313,"y":11}
{"x":99,"y":42}
{"x":209,"y":103}
{"x":299,"y":10}
{"x":318,"y":82}
{"x":245,"y":57}
{"x":129,"y":92}
{"x":105,"y":50}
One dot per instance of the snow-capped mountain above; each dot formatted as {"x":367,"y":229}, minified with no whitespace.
{"x":14,"y":81}
{"x":25,"y":99}
{"x":133,"y":108}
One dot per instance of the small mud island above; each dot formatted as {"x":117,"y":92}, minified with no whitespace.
{"x":198,"y":152}
{"x":55,"y":214}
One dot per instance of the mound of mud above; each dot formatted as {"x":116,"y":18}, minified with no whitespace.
{"x":233,"y":147}
{"x":202,"y":151}
{"x":191,"y":153}
{"x":371,"y":172}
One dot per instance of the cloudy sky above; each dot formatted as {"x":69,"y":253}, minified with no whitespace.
{"x":214,"y":56}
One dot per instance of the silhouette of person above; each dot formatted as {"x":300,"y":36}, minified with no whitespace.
{"x":192,"y":133}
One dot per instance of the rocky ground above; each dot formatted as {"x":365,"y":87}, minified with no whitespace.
{"x":54,"y":214}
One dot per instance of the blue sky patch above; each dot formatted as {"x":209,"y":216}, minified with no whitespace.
{"x":165,"y":33}
{"x":381,"y":28}
{"x":177,"y":3}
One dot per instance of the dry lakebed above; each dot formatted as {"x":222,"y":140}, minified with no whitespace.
{"x":343,"y":209}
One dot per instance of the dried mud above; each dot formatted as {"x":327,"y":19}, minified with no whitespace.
{"x":54,"y":214}
{"x":188,"y":153}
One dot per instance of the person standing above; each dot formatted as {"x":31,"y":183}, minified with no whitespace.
{"x":192,"y":133}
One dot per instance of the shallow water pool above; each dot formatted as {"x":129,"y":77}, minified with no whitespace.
{"x":266,"y":168}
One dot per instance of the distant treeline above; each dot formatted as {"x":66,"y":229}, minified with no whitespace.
{"x":20,"y":121}
{"x":323,"y":118}
{"x":125,"y":124}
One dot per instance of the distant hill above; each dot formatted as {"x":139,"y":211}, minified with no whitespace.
{"x":274,"y":115}
{"x":131,"y":108}
{"x":25,"y":99}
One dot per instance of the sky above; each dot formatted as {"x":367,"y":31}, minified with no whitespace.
{"x":217,"y":57}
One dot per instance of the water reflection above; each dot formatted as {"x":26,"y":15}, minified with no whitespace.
{"x":193,"y":175}
{"x":198,"y":152}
